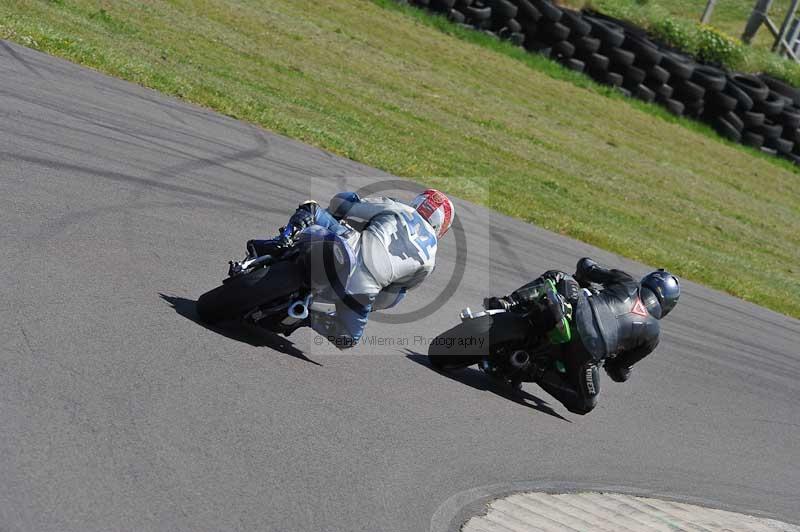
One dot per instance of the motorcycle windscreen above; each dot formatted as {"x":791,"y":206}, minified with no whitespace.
{"x":475,"y":337}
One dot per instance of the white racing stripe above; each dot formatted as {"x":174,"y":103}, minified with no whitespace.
{"x":588,"y":512}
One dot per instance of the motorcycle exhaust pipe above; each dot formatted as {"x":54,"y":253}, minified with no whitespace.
{"x":299,"y":309}
{"x":520,"y":359}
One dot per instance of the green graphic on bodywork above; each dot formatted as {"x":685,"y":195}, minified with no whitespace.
{"x":562,"y":332}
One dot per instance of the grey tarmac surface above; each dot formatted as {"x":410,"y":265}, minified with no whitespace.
{"x":118,"y":411}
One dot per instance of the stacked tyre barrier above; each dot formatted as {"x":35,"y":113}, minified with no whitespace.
{"x":755,"y":110}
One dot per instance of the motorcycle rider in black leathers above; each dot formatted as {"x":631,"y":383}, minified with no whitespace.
{"x":615,"y":319}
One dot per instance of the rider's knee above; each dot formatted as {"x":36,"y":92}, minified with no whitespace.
{"x":589,"y":390}
{"x":344,"y":341}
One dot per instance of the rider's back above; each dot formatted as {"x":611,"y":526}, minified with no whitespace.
{"x":614,"y":320}
{"x":397,"y":247}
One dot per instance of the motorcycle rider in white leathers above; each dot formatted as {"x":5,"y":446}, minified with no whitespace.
{"x":394,"y":245}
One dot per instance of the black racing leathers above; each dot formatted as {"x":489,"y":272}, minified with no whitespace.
{"x":613,"y":321}
{"x":611,"y":325}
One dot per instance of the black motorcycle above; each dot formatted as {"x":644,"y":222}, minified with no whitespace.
{"x":503,"y":343}
{"x":281,"y":280}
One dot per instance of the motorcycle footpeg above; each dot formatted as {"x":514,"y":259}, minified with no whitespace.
{"x":489,"y":368}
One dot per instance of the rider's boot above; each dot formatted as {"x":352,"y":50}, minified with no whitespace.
{"x":489,"y":368}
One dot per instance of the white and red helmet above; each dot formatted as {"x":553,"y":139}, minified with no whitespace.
{"x":437,"y":210}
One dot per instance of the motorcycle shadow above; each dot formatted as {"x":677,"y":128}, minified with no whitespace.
{"x":248,"y":334}
{"x":480,"y":381}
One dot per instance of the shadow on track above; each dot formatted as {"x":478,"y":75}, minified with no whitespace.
{"x":480,"y":381}
{"x":251,"y":335}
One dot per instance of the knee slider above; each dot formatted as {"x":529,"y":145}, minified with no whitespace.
{"x":342,"y":341}
{"x":590,"y":378}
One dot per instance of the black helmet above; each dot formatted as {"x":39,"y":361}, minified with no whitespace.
{"x":664,"y":287}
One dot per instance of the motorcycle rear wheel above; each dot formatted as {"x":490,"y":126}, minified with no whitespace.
{"x":469,"y":342}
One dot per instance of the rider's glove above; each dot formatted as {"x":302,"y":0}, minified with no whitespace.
{"x":285,"y":237}
{"x":301,"y":219}
{"x":584,"y":266}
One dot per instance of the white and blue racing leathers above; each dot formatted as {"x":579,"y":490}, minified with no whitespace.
{"x":395,"y":250}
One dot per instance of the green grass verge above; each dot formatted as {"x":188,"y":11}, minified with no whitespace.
{"x":676,"y":22}
{"x":403,"y":91}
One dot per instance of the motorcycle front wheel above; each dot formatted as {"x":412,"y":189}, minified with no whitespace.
{"x":239,"y":295}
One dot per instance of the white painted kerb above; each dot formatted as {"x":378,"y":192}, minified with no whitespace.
{"x":611,"y":512}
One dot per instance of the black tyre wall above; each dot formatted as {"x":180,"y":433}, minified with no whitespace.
{"x":679,"y":66}
{"x":618,"y":53}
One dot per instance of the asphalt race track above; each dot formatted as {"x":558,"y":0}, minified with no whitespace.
{"x":118,"y":411}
